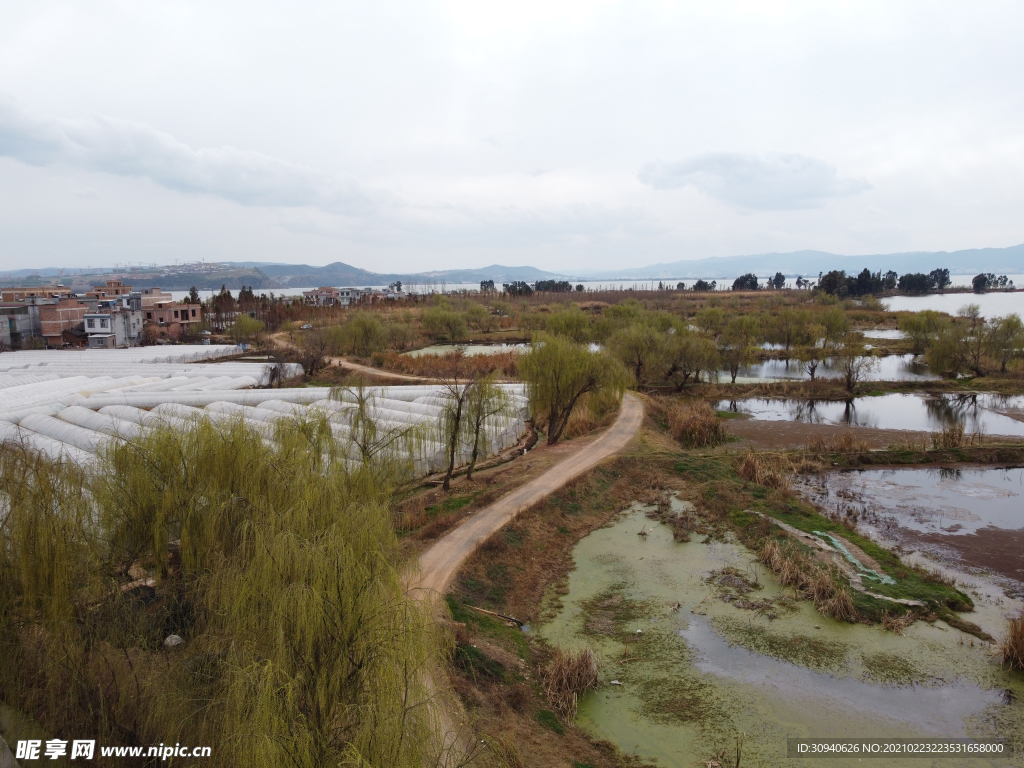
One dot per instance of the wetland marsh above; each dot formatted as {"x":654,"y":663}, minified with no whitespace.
{"x":700,"y":643}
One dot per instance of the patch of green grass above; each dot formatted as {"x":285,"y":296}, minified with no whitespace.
{"x":489,"y":626}
{"x":701,"y":469}
{"x":477,"y":665}
{"x":562,"y":529}
{"x":731,"y":415}
{"x":548,"y":719}
{"x":514,"y":537}
{"x":451,"y":504}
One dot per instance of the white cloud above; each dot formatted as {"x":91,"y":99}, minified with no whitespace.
{"x":775,"y":181}
{"x":125,"y":148}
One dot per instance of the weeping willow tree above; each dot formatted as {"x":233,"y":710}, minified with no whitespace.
{"x":205,"y":587}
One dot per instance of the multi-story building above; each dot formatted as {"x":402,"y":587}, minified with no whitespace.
{"x":17,"y":325}
{"x":55,"y":319}
{"x":112,"y":290}
{"x":165,"y":317}
{"x":46,"y":292}
{"x":114,"y":328}
{"x":328,"y":297}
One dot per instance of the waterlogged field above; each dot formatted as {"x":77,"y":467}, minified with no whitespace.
{"x":887,"y":368}
{"x":988,"y":414}
{"x":969,"y":518}
{"x":699,"y":644}
{"x":470,"y":350}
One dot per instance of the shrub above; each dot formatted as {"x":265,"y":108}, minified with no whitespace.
{"x":766,"y":470}
{"x":695,"y":425}
{"x":1012,"y":645}
{"x":567,"y":676}
{"x":278,"y":566}
{"x":845,"y":443}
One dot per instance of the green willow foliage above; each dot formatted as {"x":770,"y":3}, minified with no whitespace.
{"x":277,"y":566}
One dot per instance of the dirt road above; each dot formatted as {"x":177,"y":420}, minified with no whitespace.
{"x":279,"y":338}
{"x":440,"y":563}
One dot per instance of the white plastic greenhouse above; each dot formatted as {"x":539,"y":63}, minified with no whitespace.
{"x":71,"y":405}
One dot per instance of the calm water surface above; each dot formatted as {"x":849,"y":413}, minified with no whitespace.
{"x":912,"y":412}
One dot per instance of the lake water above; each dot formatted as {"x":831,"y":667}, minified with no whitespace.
{"x":992,"y":304}
{"x":678,"y":685}
{"x":990,"y":414}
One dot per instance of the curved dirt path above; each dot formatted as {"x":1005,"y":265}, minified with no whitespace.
{"x":380,"y":372}
{"x":278,"y":338}
{"x":440,"y":563}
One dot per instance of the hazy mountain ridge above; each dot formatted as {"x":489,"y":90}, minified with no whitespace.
{"x":267,"y":276}
{"x":809,"y":263}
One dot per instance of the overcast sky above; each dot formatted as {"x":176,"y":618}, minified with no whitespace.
{"x":566,"y":135}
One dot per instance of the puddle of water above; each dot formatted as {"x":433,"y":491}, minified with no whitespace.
{"x":883,"y":333}
{"x":887,"y":368}
{"x":695,"y":677}
{"x":985,"y":413}
{"x":469,"y":350}
{"x":965,"y":516}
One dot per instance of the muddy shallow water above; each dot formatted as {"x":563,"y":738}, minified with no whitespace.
{"x":693,"y":677}
{"x":990,"y":414}
{"x":970,"y":517}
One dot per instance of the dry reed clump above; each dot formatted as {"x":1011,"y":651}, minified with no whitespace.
{"x":810,"y":579}
{"x":590,"y":412}
{"x":767,"y":470}
{"x":954,"y":436}
{"x":1012,"y":645}
{"x":695,"y":425}
{"x":440,"y":366}
{"x":567,"y":676}
{"x":934,"y":576}
{"x":896,"y":622}
{"x":845,"y":443}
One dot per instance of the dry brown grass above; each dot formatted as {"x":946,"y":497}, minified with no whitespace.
{"x":809,"y":579}
{"x":440,"y":366}
{"x":954,"y":436}
{"x":771,"y":471}
{"x":896,"y":622}
{"x":951,"y":436}
{"x":566,"y":677}
{"x":695,"y":424}
{"x":845,"y":443}
{"x":1012,"y":645}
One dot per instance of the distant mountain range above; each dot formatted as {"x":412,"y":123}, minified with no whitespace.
{"x":269,"y":275}
{"x":339,"y":273}
{"x":804,"y":263}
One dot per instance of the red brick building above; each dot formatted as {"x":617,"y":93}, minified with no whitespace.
{"x":55,"y":319}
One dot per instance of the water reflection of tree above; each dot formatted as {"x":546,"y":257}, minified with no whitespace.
{"x":951,"y":409}
{"x":806,"y":411}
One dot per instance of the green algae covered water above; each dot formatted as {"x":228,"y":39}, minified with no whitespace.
{"x":699,"y":644}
